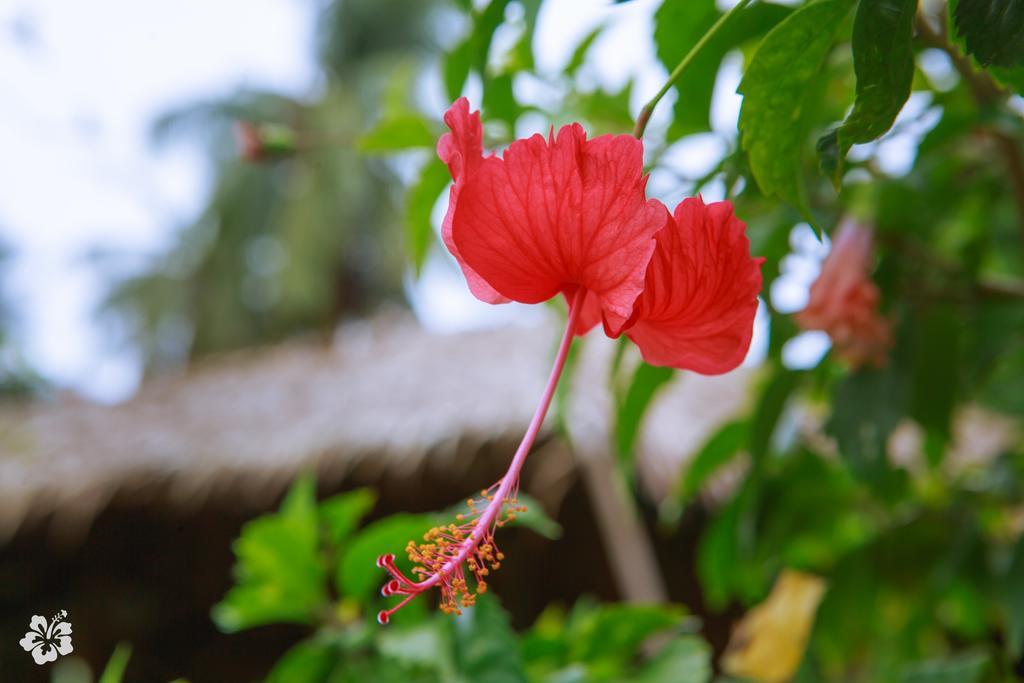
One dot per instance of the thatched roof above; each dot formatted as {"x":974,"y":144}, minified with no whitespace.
{"x":384,"y":401}
{"x":386,"y":396}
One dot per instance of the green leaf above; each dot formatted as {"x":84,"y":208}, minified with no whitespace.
{"x":967,"y":668}
{"x":341,"y":514}
{"x":279,"y":571}
{"x":1013,"y":602}
{"x":521,"y":57}
{"x":678,"y":26}
{"x":485,"y":23}
{"x":647,"y":381}
{"x":992,"y":30}
{"x":579,"y":55}
{"x":866,"y":406}
{"x":1011,"y":78}
{"x":358,"y":576}
{"x":116,"y":665}
{"x":606,"y":112}
{"x":775,"y":88}
{"x":719,"y":449}
{"x":398,"y":133}
{"x":724,"y":550}
{"x":500,"y":102}
{"x":299,"y":504}
{"x":456,"y":68}
{"x":616,"y":631}
{"x":472,"y":53}
{"x":683,"y":660}
{"x":308,"y":662}
{"x":421,"y":645}
{"x":419,"y":203}
{"x":534,"y":519}
{"x":883,"y":59}
{"x":934,"y":369}
{"x":769,"y":409}
{"x":485,"y":647}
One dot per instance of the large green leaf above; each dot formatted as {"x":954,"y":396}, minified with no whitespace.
{"x":775,"y":89}
{"x":883,"y":59}
{"x":992,"y":30}
{"x":279,"y":570}
{"x":678,"y":26}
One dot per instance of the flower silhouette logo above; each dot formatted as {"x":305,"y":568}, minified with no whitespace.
{"x":48,"y":640}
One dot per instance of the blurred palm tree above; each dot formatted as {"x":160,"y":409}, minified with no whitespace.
{"x":17,"y":379}
{"x":298,"y":241}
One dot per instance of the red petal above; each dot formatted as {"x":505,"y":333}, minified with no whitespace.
{"x":463,"y":150}
{"x":697,"y":310}
{"x":556,"y":214}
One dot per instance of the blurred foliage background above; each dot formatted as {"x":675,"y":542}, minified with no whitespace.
{"x":871,"y":532}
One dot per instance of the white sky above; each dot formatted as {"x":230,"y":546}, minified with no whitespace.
{"x":82,"y":83}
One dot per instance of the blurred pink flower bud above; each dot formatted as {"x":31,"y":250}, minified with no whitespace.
{"x":844,"y":301}
{"x":250,"y":141}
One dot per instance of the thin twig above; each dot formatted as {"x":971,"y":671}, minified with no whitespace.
{"x":648,"y":109}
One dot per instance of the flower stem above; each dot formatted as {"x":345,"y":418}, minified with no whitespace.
{"x":648,"y":109}
{"x":488,"y":518}
{"x":477,"y":548}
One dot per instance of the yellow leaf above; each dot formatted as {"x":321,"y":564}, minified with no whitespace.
{"x":769,"y":642}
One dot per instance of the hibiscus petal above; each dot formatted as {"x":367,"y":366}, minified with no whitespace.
{"x":30,"y":640}
{"x":64,"y":646}
{"x":556,"y":214}
{"x":61,"y":628}
{"x":44,"y":653}
{"x":697,"y":309}
{"x":38,"y":623}
{"x":462,"y":150}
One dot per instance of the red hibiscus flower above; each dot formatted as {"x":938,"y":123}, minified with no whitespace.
{"x":567,"y":215}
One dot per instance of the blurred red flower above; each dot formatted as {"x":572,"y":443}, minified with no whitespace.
{"x":844,"y":301}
